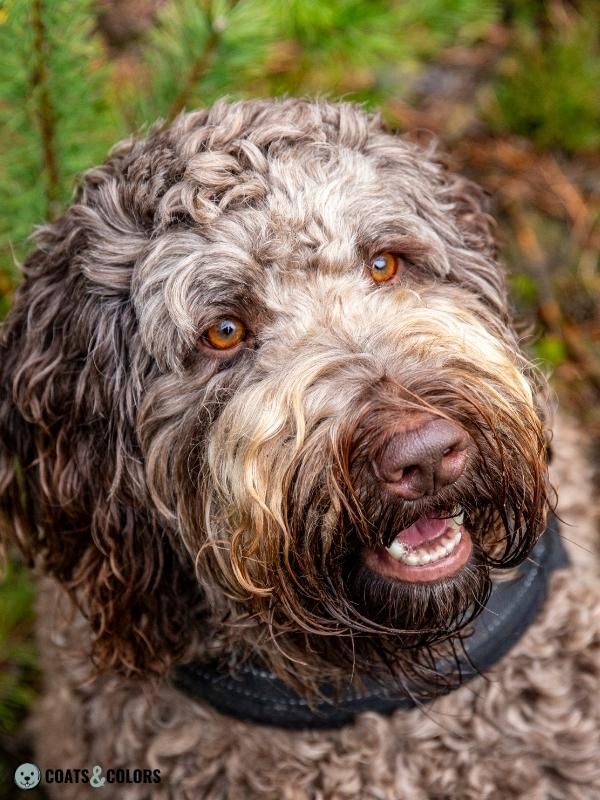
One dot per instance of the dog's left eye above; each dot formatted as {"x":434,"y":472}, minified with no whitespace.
{"x":225,"y":333}
{"x":384,"y":266}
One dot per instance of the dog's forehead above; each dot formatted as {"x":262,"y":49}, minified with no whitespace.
{"x":319,"y":207}
{"x":324,"y":207}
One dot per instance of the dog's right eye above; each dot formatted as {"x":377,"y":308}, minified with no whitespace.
{"x":225,"y":333}
{"x":384,"y":267}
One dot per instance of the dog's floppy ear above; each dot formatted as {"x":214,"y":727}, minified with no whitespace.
{"x":72,"y":487}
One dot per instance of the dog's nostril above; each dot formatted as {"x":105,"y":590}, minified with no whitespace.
{"x":421,"y":460}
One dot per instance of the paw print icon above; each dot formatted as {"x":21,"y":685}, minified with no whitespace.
{"x":27,"y":776}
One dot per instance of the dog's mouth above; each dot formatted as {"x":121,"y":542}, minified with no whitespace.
{"x":429,"y":550}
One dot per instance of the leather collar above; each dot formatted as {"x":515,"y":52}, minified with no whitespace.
{"x":253,"y":694}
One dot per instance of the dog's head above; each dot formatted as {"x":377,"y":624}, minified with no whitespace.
{"x":260,"y":381}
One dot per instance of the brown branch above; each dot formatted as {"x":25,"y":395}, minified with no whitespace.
{"x":201,"y":64}
{"x":45,"y":112}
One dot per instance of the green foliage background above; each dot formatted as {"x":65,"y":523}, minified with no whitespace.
{"x":511,"y":89}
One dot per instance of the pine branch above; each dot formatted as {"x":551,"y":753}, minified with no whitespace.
{"x":195,"y":76}
{"x":45,"y":111}
{"x":57,"y":114}
{"x":202,"y":62}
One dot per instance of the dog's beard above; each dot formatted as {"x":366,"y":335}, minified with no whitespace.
{"x":398,"y":625}
{"x":292,"y":568}
{"x":377,"y":607}
{"x":355,"y":621}
{"x":326,"y":612}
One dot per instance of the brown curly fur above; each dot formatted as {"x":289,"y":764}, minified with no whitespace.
{"x":193,"y":504}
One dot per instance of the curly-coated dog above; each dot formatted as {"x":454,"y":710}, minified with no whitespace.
{"x":267,"y":432}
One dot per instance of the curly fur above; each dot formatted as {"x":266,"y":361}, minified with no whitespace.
{"x":190,"y":503}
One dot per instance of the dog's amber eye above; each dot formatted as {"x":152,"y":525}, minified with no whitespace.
{"x":383,"y":267}
{"x":225,"y":333}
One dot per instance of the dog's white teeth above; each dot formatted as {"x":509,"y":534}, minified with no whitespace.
{"x":458,"y":519}
{"x":398,"y":550}
{"x":426,"y":553}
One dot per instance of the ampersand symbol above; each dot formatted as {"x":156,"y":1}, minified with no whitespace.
{"x":97,"y":780}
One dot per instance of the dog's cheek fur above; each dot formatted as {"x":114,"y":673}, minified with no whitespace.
{"x":72,"y":488}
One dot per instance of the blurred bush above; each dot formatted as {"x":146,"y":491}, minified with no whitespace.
{"x":548,"y":84}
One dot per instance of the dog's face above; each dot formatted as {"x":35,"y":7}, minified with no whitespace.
{"x":262,"y":376}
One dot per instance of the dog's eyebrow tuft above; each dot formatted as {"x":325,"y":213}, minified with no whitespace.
{"x":403,"y":244}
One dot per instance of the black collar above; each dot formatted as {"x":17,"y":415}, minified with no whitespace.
{"x":255,"y":695}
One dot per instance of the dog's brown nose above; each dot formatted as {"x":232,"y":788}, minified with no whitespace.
{"x":422,"y":460}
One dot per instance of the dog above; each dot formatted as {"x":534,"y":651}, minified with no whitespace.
{"x":269,"y":439}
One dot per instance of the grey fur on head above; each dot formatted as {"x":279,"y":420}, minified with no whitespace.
{"x":173,"y":487}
